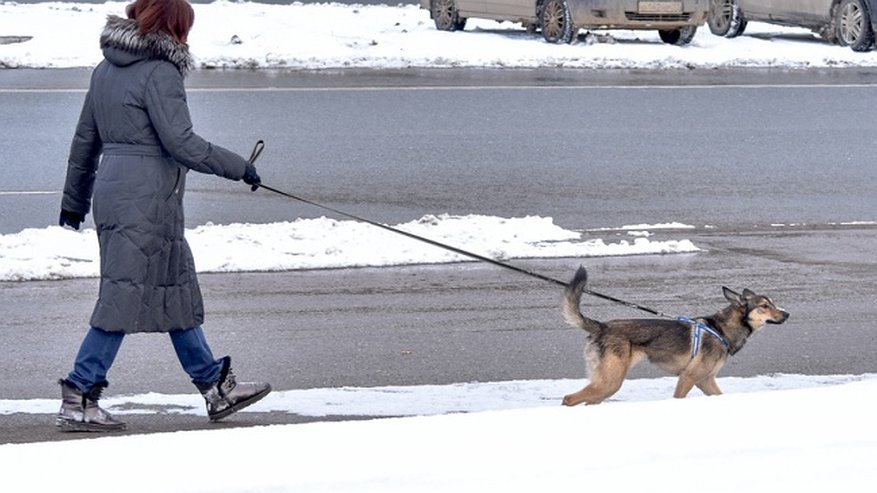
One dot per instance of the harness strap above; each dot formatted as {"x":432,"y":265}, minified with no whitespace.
{"x":698,"y":328}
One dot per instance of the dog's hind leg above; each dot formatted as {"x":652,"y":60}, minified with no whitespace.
{"x":606,"y":379}
{"x":594,"y":393}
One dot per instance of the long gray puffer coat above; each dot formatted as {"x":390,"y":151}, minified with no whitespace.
{"x":135,"y":123}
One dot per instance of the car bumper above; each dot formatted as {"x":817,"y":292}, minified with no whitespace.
{"x":638,"y":14}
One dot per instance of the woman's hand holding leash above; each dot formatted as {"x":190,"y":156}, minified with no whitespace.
{"x":251,"y":177}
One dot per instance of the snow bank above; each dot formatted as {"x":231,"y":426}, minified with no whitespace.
{"x":61,"y":253}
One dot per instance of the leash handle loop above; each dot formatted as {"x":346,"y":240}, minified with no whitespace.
{"x":257,"y":150}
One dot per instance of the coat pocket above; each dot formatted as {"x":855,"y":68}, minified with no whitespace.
{"x":176,"y":188}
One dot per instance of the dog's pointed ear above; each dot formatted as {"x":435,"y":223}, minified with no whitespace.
{"x":732,"y":296}
{"x":748,"y":294}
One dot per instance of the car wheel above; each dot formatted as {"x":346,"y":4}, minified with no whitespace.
{"x":724,"y":18}
{"x":679,"y":37}
{"x":854,"y":25}
{"x":446,"y":16}
{"x":556,"y":22}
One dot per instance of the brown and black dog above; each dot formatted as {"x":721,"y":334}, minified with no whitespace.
{"x":694,"y":350}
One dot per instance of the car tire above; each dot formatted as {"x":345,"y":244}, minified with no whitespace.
{"x":725,"y":19}
{"x":678,"y":37}
{"x":854,"y":25}
{"x":555,"y":22}
{"x":446,"y":15}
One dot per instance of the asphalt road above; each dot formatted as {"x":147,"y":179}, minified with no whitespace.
{"x":447,"y":324}
{"x":474,"y":322}
{"x":394,"y":146}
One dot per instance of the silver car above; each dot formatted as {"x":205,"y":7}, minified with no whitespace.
{"x":846,"y":22}
{"x":560,"y":20}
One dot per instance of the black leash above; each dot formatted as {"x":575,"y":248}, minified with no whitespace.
{"x":258,"y":150}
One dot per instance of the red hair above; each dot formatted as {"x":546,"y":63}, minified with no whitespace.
{"x":173,"y":17}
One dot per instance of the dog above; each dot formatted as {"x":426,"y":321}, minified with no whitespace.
{"x":694,"y":350}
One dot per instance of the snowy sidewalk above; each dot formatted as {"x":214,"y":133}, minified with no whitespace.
{"x":807,"y":440}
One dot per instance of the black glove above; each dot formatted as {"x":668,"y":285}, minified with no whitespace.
{"x":251,"y":177}
{"x":71,"y":219}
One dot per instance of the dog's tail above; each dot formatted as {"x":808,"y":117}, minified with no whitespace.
{"x":573,"y":298}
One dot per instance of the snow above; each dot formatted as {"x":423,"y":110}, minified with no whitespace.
{"x":772,"y":433}
{"x":422,"y":400}
{"x":62,"y":253}
{"x":326,"y":36}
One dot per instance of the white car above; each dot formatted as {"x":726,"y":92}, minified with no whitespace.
{"x":560,"y":20}
{"x":846,"y":22}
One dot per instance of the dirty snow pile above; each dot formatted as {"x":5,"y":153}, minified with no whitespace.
{"x":319,"y":243}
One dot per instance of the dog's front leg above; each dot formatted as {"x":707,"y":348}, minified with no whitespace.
{"x":709,"y":386}
{"x":683,"y":386}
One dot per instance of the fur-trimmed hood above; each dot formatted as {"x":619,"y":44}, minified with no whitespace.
{"x":123,"y":45}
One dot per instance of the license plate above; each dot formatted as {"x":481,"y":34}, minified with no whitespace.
{"x":660,"y":7}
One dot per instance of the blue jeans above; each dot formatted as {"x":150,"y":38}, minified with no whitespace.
{"x":99,"y":349}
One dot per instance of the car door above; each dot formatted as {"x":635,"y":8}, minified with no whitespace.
{"x":468,"y":7}
{"x":755,"y":9}
{"x":801,"y":11}
{"x":511,"y":9}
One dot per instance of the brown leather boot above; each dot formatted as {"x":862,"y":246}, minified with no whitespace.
{"x":80,"y":412}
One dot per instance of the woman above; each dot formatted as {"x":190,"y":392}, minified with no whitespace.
{"x":132,"y":148}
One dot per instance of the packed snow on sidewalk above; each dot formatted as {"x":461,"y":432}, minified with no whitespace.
{"x":324,"y":36}
{"x":766,"y":434}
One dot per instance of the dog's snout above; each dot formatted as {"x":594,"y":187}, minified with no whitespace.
{"x":784,"y":315}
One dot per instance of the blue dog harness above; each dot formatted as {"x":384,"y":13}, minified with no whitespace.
{"x":698,"y":329}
